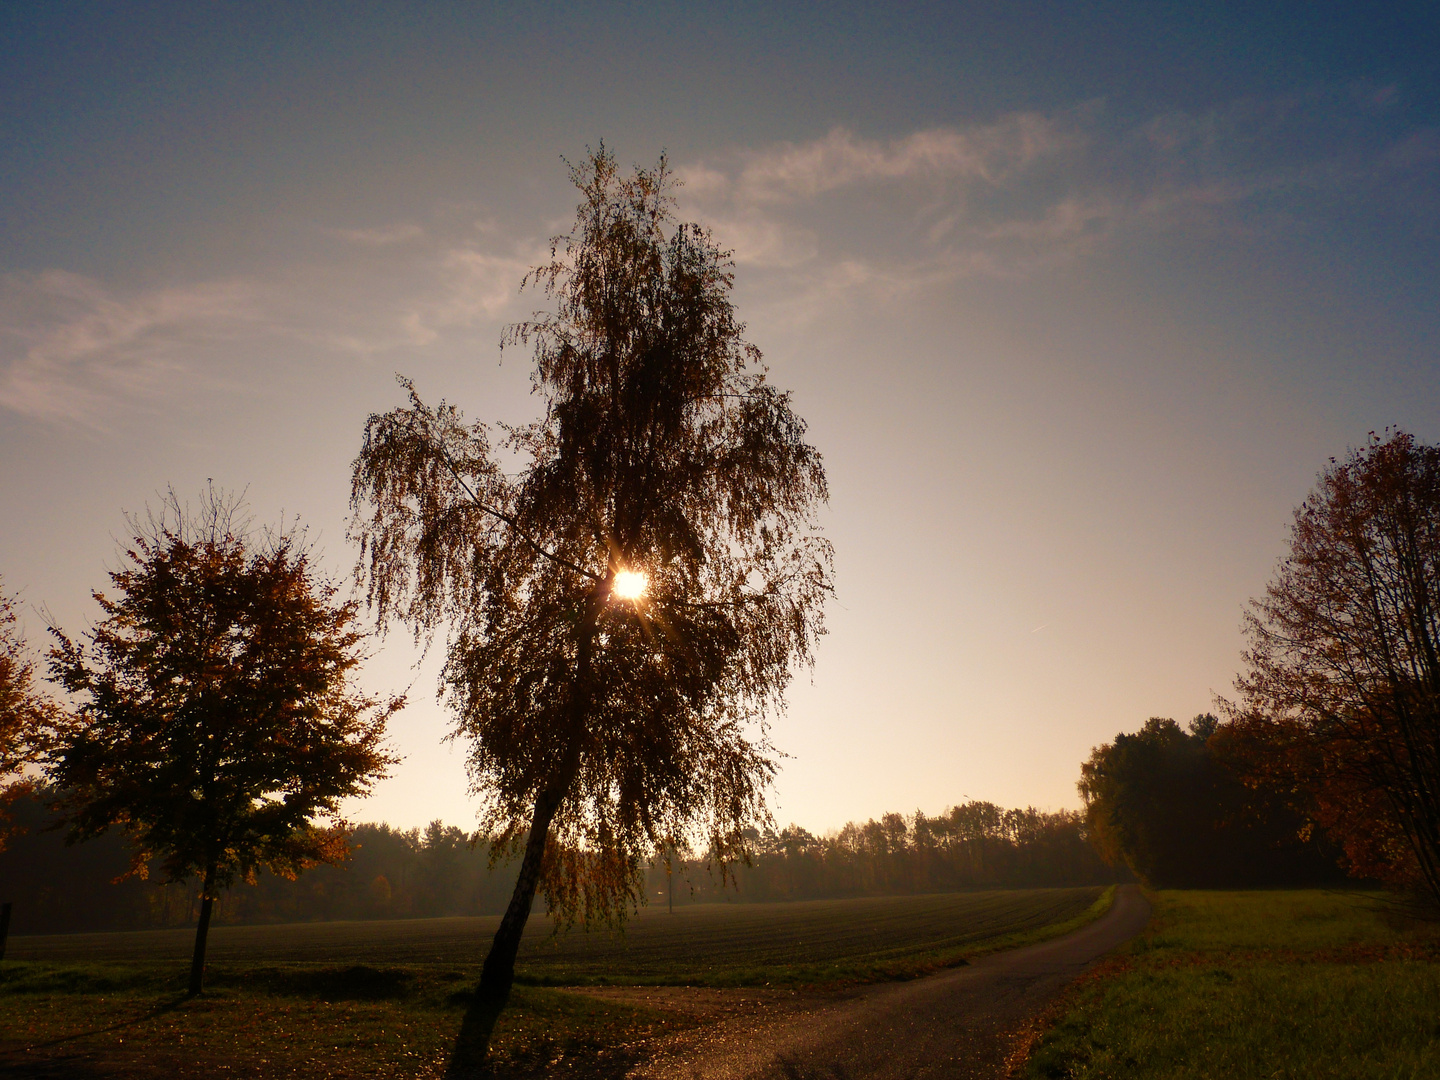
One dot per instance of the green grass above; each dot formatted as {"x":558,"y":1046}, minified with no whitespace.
{"x":1285,"y":984}
{"x":386,"y":999}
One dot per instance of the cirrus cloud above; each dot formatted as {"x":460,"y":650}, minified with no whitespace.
{"x":71,"y":347}
{"x":1030,"y":191}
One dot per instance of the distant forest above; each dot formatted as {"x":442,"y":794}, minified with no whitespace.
{"x":397,"y":874}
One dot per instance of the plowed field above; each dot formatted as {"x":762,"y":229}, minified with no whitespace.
{"x":717,"y":944}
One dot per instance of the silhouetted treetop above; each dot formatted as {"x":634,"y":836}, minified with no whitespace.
{"x":1165,"y":802}
{"x":617,"y":723}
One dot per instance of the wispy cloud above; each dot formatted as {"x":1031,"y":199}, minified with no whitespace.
{"x":813,"y":223}
{"x":383,"y":236}
{"x":1030,"y":192}
{"x":760,"y":200}
{"x":842,"y":159}
{"x":71,"y":348}
{"x":473,"y":287}
{"x":82,"y":351}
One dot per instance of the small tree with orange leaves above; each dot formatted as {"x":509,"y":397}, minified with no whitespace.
{"x":23,"y":711}
{"x":214,"y":721}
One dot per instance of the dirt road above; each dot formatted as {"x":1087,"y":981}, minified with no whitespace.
{"x":959,"y":1023}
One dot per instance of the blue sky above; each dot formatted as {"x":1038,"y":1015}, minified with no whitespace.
{"x":1076,"y":298}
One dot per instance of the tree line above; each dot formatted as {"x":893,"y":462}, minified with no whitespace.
{"x":1330,"y":753}
{"x":385,"y":873}
{"x":392,"y":873}
{"x":972,"y":845}
{"x":1173,"y":806}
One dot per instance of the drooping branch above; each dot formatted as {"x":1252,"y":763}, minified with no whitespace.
{"x":661,"y":449}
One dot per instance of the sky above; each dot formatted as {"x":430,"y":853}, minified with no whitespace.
{"x":1077,"y":299}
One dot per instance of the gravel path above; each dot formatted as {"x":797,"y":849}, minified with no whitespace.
{"x":959,"y":1023}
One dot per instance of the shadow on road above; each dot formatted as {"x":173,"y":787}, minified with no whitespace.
{"x":792,"y":1069}
{"x":468,"y":1055}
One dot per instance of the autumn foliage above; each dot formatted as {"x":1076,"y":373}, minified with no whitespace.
{"x":1341,"y":700}
{"x":214,"y":721}
{"x":23,"y":711}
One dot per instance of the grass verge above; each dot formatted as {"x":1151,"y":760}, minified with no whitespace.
{"x":1304,"y":984}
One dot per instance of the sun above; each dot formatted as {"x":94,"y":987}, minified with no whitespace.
{"x":629,"y":585}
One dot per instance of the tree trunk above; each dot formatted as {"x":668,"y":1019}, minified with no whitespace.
{"x":202,"y":930}
{"x":499,"y":971}
{"x":472,"y":1046}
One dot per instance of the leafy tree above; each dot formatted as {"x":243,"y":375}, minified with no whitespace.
{"x":214,"y":719}
{"x":1147,"y":802}
{"x":1342,"y":694}
{"x":442,"y":852}
{"x":1164,"y":802}
{"x":603,"y":720}
{"x":23,"y":711}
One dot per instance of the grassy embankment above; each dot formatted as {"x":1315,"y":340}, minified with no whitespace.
{"x":1285,"y":984}
{"x":386,"y":999}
